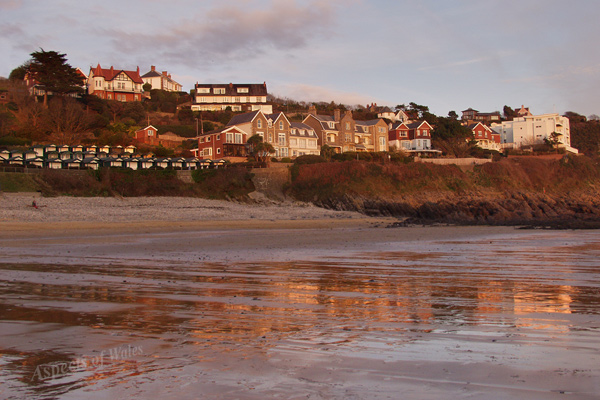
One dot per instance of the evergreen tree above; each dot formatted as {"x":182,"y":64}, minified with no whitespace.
{"x":53,"y":74}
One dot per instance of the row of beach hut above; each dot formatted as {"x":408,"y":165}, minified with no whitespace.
{"x":94,"y":157}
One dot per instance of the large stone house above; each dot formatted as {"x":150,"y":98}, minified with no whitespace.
{"x":273,"y":128}
{"x":115,"y":84}
{"x":343,"y":133}
{"x":240,"y":97}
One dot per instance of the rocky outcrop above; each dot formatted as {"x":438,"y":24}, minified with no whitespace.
{"x":517,"y":208}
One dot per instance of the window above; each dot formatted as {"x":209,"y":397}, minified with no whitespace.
{"x":270,"y":138}
{"x":238,"y":138}
{"x":218,"y":137}
{"x":252,"y":99}
{"x":332,"y":125}
{"x":150,"y":132}
{"x":293,"y":142}
{"x":259,"y":124}
{"x":282,"y":139}
{"x":219,"y":90}
{"x":381,"y":143}
{"x":302,"y":143}
{"x":348,"y":137}
{"x":281,"y":125}
{"x":242,"y":90}
{"x":229,"y":137}
{"x":202,"y":90}
{"x":208,"y":139}
{"x":218,"y":150}
{"x":347,"y":125}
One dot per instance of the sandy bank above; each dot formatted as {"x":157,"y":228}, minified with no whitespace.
{"x":56,"y":216}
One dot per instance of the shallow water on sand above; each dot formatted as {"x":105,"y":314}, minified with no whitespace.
{"x":495,"y":316}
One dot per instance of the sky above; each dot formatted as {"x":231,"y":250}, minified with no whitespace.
{"x":445,"y":54}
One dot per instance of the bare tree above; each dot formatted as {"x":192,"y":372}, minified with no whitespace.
{"x":67,"y":121}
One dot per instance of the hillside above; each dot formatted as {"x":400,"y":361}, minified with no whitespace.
{"x":514,"y":191}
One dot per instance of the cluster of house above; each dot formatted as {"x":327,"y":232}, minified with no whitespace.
{"x":95,"y":157}
{"x":524,"y":130}
{"x":340,"y":132}
{"x":291,"y":139}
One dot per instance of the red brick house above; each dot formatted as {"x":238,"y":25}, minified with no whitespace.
{"x":148,"y":135}
{"x":413,"y":138}
{"x":229,"y":142}
{"x":115,"y":84}
{"x":486,"y":138}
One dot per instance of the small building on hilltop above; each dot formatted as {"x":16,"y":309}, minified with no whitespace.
{"x":161,"y":81}
{"x":147,"y":136}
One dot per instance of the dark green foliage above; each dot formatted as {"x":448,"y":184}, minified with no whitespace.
{"x":14,"y":141}
{"x":188,"y":131}
{"x":447,"y":128}
{"x":52,"y":72}
{"x":18,"y":74}
{"x":223,"y":183}
{"x":585,"y":135}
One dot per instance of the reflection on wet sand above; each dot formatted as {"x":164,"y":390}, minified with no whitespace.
{"x":361,"y":324}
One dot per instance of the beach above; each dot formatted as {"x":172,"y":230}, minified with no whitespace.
{"x":190,"y":298}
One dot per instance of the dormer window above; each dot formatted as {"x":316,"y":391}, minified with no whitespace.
{"x":332,"y":125}
{"x":242,"y":90}
{"x":219,"y":90}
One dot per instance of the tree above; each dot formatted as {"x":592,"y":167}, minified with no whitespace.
{"x":66,"y":120}
{"x":452,"y":115}
{"x":553,"y":140}
{"x":448,"y":128}
{"x":260,"y":150}
{"x":53,"y":74}
{"x":574,"y":117}
{"x":147,"y":87}
{"x":327,"y":152}
{"x":18,"y":74}
{"x":509,"y":113}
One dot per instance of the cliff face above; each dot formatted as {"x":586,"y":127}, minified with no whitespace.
{"x":523,"y":191}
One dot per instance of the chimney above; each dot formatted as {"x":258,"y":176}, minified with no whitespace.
{"x":312,"y":110}
{"x":138,"y":70}
{"x":152,"y":68}
{"x":336,"y":115}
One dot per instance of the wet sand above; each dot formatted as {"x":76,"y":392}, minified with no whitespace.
{"x":333,"y":306}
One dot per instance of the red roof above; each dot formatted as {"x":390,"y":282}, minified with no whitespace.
{"x":110,"y":74}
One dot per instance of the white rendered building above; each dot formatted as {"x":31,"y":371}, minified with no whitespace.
{"x":530,"y":130}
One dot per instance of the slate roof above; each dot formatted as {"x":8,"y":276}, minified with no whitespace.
{"x":254,"y":89}
{"x":242,"y":118}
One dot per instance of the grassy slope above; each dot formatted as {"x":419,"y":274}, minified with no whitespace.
{"x":393,"y":182}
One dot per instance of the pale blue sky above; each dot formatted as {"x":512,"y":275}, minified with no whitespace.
{"x":447,"y":54}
